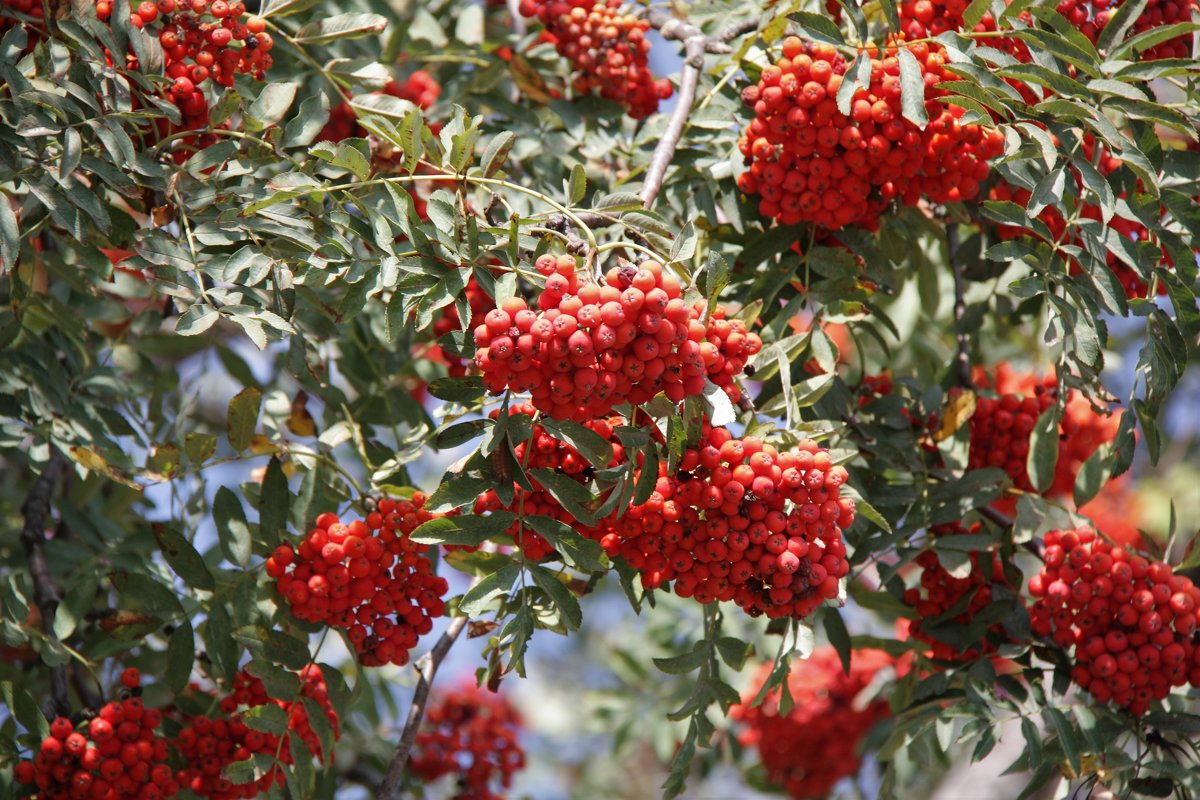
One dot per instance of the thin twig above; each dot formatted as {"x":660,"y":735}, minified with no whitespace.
{"x":695,"y":45}
{"x":35,"y":509}
{"x":427,"y":667}
{"x":963,"y":358}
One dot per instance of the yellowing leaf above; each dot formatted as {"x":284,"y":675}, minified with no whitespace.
{"x":91,"y":460}
{"x":960,"y":409}
{"x":529,"y":80}
{"x":300,"y":422}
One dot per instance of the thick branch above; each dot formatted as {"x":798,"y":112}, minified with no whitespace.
{"x":962,"y":357}
{"x":427,"y":667}
{"x":695,"y":45}
{"x":35,"y":509}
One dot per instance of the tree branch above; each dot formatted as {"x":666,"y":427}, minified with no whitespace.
{"x":35,"y":509}
{"x":427,"y":668}
{"x":962,"y":357}
{"x":695,"y":45}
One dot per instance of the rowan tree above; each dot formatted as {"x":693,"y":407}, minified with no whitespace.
{"x":791,"y":395}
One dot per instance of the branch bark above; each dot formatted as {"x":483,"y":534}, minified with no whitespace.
{"x":427,"y":668}
{"x":35,"y":509}
{"x":695,"y":45}
{"x":962,"y":357}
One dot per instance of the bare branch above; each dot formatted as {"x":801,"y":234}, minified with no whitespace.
{"x":695,"y":45}
{"x":427,"y":668}
{"x":35,"y":509}
{"x":962,"y":357}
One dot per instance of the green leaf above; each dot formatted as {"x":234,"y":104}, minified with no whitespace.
{"x":592,"y":446}
{"x":280,"y":8}
{"x":1043,"y":449}
{"x":341,"y":26}
{"x":458,"y":390}
{"x":577,"y":550}
{"x":183,"y":558}
{"x":219,"y":645}
{"x":25,"y":710}
{"x":839,"y":637}
{"x":687,"y":662}
{"x":233,"y":532}
{"x":577,"y":185}
{"x":734,"y":651}
{"x":494,"y":585}
{"x":199,"y":447}
{"x":464,"y":530}
{"x":563,"y":598}
{"x":276,"y":646}
{"x":912,"y":90}
{"x":495,"y":154}
{"x":181,"y":655}
{"x":274,"y":505}
{"x":568,"y":493}
{"x":10,"y":233}
{"x":268,"y":718}
{"x":818,"y":27}
{"x":242,"y":417}
{"x":303,"y":128}
{"x":271,"y":105}
{"x":145,"y":592}
{"x":196,"y":320}
{"x":1066,"y":735}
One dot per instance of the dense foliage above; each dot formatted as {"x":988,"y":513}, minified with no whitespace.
{"x":632,"y":351}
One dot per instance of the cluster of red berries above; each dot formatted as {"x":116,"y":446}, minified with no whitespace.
{"x":741,"y":521}
{"x":197,"y":38}
{"x":1130,"y":620}
{"x":209,"y":744}
{"x":115,"y":755}
{"x":607,"y":48}
{"x":419,"y":88}
{"x":548,"y":453}
{"x":921,"y":19}
{"x":810,"y":163}
{"x":816,"y":744}
{"x":471,"y":734}
{"x":1001,"y":428}
{"x":938,"y":592}
{"x":367,"y":578}
{"x":594,"y":346}
{"x":1091,"y":16}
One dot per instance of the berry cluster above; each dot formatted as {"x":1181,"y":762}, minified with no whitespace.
{"x":938,"y":592}
{"x":115,"y":755}
{"x":810,"y":163}
{"x":367,"y":578}
{"x":1130,"y":620}
{"x":922,"y":19}
{"x":741,"y":521}
{"x":1001,"y":428}
{"x":419,"y":88}
{"x":593,"y":347}
{"x":816,"y":744}
{"x":607,"y":48}
{"x":548,"y":453}
{"x":1091,"y":16}
{"x":471,"y":734}
{"x":209,"y":744}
